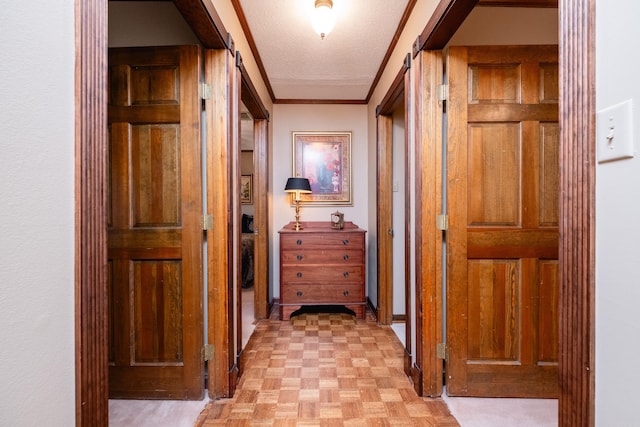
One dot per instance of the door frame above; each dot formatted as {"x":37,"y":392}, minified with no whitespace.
{"x":399,"y":92}
{"x":251,"y":99}
{"x":429,"y":237}
{"x":577,"y":207}
{"x":384,"y":206}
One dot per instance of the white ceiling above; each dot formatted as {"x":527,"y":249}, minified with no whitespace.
{"x":300,"y":65}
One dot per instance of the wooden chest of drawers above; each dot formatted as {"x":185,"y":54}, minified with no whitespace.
{"x":322,"y":266}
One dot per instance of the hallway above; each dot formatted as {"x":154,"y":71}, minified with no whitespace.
{"x":325,"y":370}
{"x":329,"y":369}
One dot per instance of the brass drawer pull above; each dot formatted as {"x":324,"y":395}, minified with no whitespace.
{"x":299,"y":274}
{"x":346,"y":257}
{"x":345,"y":274}
{"x":299,"y":293}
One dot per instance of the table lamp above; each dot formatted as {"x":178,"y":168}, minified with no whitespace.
{"x":297,"y":186}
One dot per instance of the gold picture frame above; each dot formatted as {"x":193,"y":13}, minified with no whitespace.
{"x":246,"y":189}
{"x":324,"y":158}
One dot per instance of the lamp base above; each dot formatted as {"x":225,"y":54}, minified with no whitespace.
{"x":297,"y":226}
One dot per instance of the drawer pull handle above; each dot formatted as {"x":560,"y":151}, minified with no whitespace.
{"x":298,"y":242}
{"x":299,"y":257}
{"x":345,"y":293}
{"x":346,"y":257}
{"x":299,"y":274}
{"x":345,"y":242}
{"x":345,"y":274}
{"x":299,"y":293}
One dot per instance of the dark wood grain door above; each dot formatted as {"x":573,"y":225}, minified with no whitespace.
{"x":502,"y":242}
{"x":154,"y":235}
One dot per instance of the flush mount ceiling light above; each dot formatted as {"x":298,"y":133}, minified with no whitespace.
{"x":323,"y":18}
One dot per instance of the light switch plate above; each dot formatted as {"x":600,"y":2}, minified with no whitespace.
{"x":614,"y":132}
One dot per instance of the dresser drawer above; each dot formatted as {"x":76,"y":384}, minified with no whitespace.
{"x":337,"y":256}
{"x":314,"y":241}
{"x":322,"y":274}
{"x":321,"y":266}
{"x":304,"y":293}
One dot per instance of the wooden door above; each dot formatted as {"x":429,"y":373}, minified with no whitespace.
{"x":502,"y":242}
{"x":154,"y":235}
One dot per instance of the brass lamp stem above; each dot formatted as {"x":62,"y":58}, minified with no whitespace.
{"x":298,"y":226}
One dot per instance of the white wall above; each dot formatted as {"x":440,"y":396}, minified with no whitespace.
{"x":37,"y":367}
{"x":147,"y":24}
{"x":508,"y":25}
{"x":617,"y":222}
{"x":288,"y":118}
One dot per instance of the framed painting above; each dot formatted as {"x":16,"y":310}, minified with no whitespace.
{"x":324,"y":158}
{"x":246,"y":189}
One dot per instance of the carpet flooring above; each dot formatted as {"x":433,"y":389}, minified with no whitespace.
{"x":326,"y":369}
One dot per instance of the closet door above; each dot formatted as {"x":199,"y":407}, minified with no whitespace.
{"x":502,"y":241}
{"x":154,"y":234}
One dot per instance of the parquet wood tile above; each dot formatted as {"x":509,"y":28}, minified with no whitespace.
{"x":325,"y":370}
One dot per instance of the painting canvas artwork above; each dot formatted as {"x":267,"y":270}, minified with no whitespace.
{"x":246,"y":190}
{"x":325,"y":159}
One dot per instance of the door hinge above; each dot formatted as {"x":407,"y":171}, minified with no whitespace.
{"x":207,"y":352}
{"x":443,"y":92}
{"x":442,"y":222}
{"x":207,"y":222}
{"x":441,"y":351}
{"x":205,"y":91}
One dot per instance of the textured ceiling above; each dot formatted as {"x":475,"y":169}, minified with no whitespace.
{"x":343,"y":66}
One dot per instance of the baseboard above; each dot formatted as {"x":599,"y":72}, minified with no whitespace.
{"x":415,"y":373}
{"x":373,"y":309}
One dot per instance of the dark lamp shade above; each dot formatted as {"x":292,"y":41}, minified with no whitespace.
{"x":298,"y":184}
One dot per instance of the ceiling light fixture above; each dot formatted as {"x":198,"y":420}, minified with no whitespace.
{"x":323,"y":18}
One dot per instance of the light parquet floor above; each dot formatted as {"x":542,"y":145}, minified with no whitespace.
{"x":325,"y":370}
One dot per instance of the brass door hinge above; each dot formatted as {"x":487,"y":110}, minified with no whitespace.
{"x":442,"y":222}
{"x":205,"y":91}
{"x":207,"y":352}
{"x":443,"y":92}
{"x":441,"y":351}
{"x":207,"y":222}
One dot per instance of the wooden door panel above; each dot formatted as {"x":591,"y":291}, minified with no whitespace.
{"x":548,"y":313}
{"x":154,"y":235}
{"x":157,"y":305}
{"x":494,"y":175}
{"x":155,"y":180}
{"x":502,"y":243}
{"x":549,"y":175}
{"x":494,"y":292}
{"x":494,"y":84}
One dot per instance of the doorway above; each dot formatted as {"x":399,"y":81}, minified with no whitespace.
{"x":394,"y":214}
